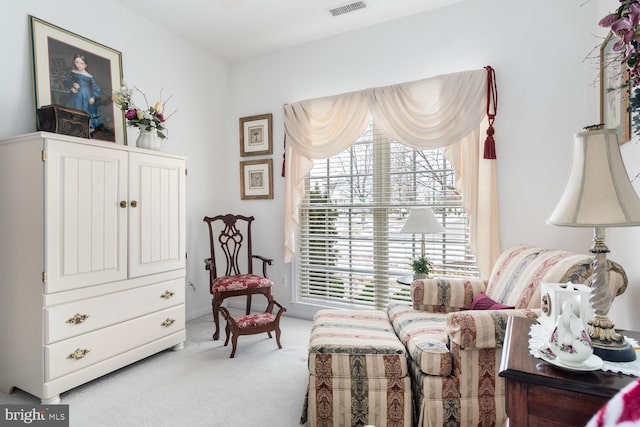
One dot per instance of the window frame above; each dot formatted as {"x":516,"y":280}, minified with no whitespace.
{"x":383,"y":276}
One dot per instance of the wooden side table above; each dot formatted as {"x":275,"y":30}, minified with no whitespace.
{"x":539,"y":394}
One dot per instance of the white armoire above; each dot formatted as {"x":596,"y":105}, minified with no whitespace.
{"x":92,"y":259}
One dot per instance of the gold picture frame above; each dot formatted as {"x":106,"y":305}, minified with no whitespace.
{"x":614,"y":91}
{"x":55,"y":51}
{"x":256,"y":135}
{"x":256,"y":179}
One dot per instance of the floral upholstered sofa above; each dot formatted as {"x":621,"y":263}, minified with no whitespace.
{"x":452,"y":348}
{"x":455,"y":350}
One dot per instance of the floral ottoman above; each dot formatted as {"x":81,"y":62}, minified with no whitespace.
{"x":357,"y":372}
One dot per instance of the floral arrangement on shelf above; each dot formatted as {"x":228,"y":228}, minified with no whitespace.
{"x":625,"y":28}
{"x":150,"y":118}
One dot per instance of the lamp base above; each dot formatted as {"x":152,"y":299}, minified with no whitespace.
{"x":607,"y":343}
{"x":615,"y":354}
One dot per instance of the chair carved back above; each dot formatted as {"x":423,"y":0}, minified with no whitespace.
{"x":231,"y":241}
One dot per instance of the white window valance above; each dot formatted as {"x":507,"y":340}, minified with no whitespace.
{"x":444,"y":111}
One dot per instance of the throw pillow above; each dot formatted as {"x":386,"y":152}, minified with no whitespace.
{"x":483,"y":302}
{"x":622,"y":410}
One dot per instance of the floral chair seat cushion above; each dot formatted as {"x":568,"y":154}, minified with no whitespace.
{"x":239,"y":282}
{"x":254,"y":319}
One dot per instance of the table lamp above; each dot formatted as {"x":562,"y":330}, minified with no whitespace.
{"x":422,"y":221}
{"x":599,"y":194}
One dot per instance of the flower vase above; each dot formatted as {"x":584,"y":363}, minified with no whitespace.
{"x":148,"y":139}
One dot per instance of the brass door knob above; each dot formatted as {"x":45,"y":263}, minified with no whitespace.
{"x":134,"y":204}
{"x":123,"y":204}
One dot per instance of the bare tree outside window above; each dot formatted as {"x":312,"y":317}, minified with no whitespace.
{"x":350,"y":248}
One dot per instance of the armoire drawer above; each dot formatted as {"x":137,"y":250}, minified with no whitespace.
{"x":79,"y":352}
{"x":79,"y":317}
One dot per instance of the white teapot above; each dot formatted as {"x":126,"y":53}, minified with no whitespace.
{"x":568,"y":339}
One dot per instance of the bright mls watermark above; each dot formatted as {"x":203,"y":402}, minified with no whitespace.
{"x":34,"y":415}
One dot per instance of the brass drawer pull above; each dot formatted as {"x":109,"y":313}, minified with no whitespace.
{"x":168,"y":322}
{"x":78,"y":318}
{"x":167,"y":295}
{"x":78,"y":354}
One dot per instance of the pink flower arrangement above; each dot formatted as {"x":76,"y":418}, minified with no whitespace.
{"x":150,"y":118}
{"x":625,"y":28}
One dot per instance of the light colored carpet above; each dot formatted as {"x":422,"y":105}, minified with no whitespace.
{"x":200,"y":385}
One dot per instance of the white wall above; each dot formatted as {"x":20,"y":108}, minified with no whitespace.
{"x":546,"y":89}
{"x":152,"y":59}
{"x":537,"y":48}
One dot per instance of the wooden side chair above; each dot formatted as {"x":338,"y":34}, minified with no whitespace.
{"x":250,"y":324}
{"x":226,"y":232}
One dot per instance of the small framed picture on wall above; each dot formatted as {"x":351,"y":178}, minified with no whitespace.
{"x":255,"y":135}
{"x":256,"y":179}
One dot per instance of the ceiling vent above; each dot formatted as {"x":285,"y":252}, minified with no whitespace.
{"x":346,"y":8}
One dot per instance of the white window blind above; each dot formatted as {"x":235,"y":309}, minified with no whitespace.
{"x":350,"y":250}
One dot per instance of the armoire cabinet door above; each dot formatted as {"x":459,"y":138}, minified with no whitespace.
{"x":85,"y":217}
{"x":156,"y":214}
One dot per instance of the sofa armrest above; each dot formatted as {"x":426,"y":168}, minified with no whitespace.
{"x":445,"y":295}
{"x":472,"y":329}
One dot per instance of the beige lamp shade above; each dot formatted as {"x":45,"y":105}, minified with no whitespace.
{"x":422,"y":221}
{"x":598,"y":192}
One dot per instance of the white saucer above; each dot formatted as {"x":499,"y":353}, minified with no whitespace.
{"x":593,"y":363}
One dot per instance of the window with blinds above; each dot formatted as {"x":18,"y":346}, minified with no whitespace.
{"x":350,"y":249}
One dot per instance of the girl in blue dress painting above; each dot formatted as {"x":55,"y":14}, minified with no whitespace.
{"x":84,"y":92}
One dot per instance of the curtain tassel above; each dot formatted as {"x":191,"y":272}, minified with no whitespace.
{"x":492,"y":109}
{"x":489,"y":142}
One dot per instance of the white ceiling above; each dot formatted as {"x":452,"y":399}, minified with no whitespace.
{"x":237,"y":29}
